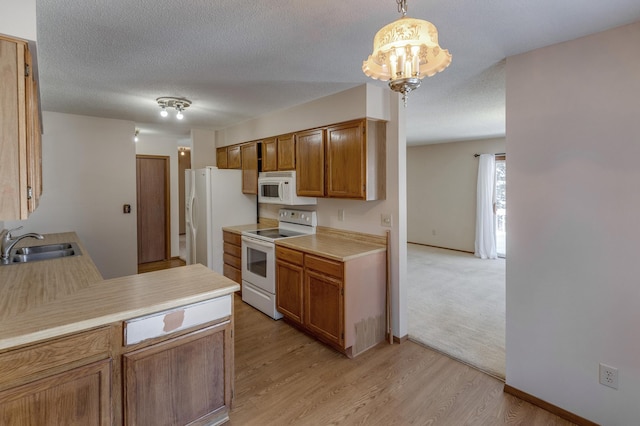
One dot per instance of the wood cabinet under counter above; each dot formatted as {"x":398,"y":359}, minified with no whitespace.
{"x":340,"y":300}
{"x":232,"y":256}
{"x":69,"y":355}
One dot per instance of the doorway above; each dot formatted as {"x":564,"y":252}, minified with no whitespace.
{"x":153,"y":207}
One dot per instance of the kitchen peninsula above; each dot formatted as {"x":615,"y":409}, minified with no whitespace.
{"x":143,"y":349}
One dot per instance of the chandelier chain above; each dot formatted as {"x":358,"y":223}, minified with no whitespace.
{"x":402,"y":7}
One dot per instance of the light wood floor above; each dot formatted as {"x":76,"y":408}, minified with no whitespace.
{"x":159,"y":265}
{"x":283,"y":377}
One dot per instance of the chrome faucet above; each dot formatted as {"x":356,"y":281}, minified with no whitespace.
{"x":7,"y":241}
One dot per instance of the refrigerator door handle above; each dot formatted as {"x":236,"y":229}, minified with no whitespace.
{"x":193,"y":229}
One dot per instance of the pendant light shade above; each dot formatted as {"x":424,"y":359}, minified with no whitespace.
{"x":404,"y":52}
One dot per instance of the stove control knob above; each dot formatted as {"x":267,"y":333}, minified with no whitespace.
{"x":302,"y":216}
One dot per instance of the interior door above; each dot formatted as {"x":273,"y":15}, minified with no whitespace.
{"x":152,"y":187}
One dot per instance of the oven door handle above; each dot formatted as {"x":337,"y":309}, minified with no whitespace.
{"x":258,"y":242}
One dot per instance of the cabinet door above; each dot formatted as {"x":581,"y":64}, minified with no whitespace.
{"x":233,"y":157}
{"x":81,"y":396}
{"x":181,"y":380}
{"x":13,"y":130}
{"x":324,"y":307}
{"x":289,"y":299}
{"x":346,"y":161}
{"x":34,"y":139}
{"x":221,"y":157}
{"x":249,"y":155}
{"x":310,"y":163}
{"x":269,"y":155}
{"x":286,"y":152}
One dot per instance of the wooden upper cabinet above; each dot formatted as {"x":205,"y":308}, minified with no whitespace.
{"x":269,"y":155}
{"x":221,"y":158}
{"x":20,"y":132}
{"x":355,"y":160}
{"x":249,"y":154}
{"x":286,"y":152}
{"x":345,"y":161}
{"x":234,"y":160}
{"x":310,"y":163}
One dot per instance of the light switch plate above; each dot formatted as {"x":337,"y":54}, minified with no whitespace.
{"x":385,"y":220}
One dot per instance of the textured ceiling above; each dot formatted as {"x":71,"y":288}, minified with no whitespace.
{"x":236,"y":60}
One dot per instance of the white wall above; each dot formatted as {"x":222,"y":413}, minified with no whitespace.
{"x":361,"y":101}
{"x":361,"y":216}
{"x":89,"y":172}
{"x":573,"y":295}
{"x":203,"y":148}
{"x":168,"y":147}
{"x":441,"y":192}
{"x":18,"y":18}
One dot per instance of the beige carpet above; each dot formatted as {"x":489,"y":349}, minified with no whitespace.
{"x":456,"y":305}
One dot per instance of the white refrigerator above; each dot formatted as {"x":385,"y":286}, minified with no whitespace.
{"x":214,"y":199}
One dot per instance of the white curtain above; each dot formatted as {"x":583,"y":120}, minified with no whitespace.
{"x":485,"y":216}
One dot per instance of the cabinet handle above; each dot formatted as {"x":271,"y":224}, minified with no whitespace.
{"x":29,"y":192}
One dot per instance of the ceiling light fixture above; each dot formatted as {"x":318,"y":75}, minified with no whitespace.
{"x":404,"y":52}
{"x":180,"y":104}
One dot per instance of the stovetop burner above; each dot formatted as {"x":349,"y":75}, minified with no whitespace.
{"x":293,"y":223}
{"x":275,"y":233}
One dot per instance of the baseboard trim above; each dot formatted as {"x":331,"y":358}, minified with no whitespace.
{"x":400,"y":340}
{"x":560,"y":412}
{"x":439,"y":247}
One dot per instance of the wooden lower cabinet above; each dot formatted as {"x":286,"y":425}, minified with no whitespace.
{"x":289,"y":286}
{"x":232,"y":256}
{"x":340,"y":303}
{"x":180,"y":381}
{"x":176,"y":377}
{"x":323,"y":303}
{"x":80,"y":396}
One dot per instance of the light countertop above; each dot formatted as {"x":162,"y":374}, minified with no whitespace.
{"x":47,"y":299}
{"x":330,"y":246}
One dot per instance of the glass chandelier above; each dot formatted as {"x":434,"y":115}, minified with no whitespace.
{"x":404,"y":52}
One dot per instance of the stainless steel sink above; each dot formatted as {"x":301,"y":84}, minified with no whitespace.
{"x":45,"y":252}
{"x":44,"y":249}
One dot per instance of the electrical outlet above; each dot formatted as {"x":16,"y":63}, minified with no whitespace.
{"x":385,"y":220}
{"x":609,"y":376}
{"x":341,"y":215}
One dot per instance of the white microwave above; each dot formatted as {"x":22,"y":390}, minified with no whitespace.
{"x":280,"y":188}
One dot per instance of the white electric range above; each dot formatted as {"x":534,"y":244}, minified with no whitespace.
{"x":259,"y":257}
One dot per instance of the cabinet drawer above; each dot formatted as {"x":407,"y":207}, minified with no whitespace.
{"x":34,"y":359}
{"x":326,"y":266}
{"x":231,"y":237}
{"x":232,"y":273}
{"x":234,"y":261}
{"x":288,"y":255}
{"x":232,"y":249}
{"x":159,"y":324}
